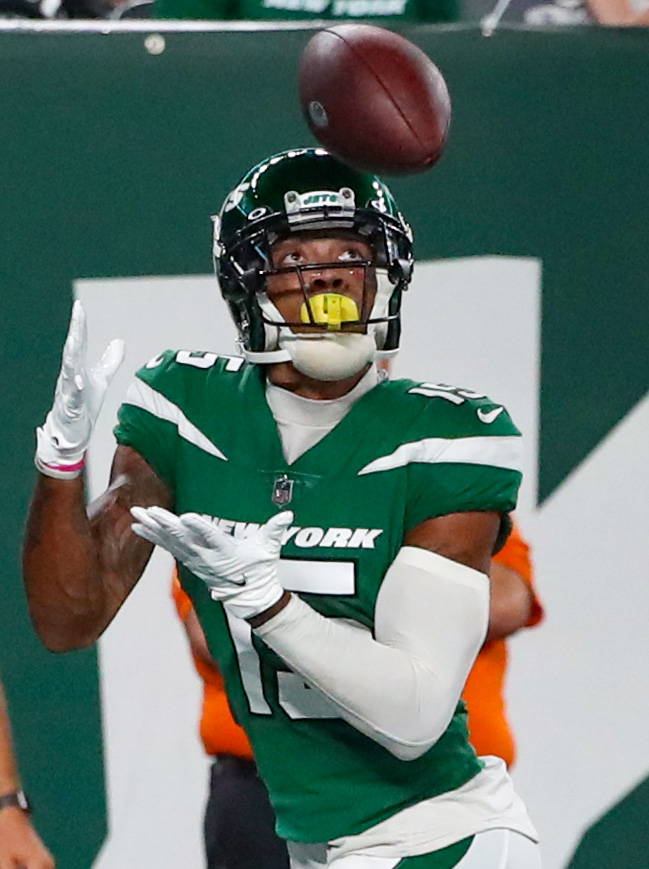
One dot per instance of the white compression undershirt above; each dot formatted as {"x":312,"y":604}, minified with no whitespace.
{"x":303,"y":422}
{"x":401,"y":688}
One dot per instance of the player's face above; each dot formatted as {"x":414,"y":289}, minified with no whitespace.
{"x":341,"y":291}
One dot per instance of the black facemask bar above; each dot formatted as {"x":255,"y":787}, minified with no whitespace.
{"x":308,"y":293}
{"x":251,"y":247}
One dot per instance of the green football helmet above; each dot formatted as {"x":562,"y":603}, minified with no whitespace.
{"x":304,"y":190}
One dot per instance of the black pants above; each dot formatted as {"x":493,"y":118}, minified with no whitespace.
{"x":239,"y":820}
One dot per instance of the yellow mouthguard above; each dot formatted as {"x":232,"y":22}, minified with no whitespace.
{"x":330,"y":309}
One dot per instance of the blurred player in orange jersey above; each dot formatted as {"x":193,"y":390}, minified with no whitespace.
{"x":239,"y":825}
{"x":239,"y":822}
{"x":514,"y":605}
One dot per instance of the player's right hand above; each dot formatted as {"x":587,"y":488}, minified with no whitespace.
{"x":63,"y":439}
{"x":241,"y":573}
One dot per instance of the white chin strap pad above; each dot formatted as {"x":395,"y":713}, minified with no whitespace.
{"x":329,"y":356}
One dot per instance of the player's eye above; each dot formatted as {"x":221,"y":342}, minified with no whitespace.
{"x":352,"y":254}
{"x":291,"y":258}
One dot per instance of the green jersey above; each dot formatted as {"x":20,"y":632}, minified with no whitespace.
{"x":405,"y":452}
{"x":384,"y":12}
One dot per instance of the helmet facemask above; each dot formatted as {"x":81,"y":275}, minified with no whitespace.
{"x":327,"y":319}
{"x":332,"y":335}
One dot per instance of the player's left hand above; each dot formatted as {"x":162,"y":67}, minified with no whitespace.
{"x":242,"y":573}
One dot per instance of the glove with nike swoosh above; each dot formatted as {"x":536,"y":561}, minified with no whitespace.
{"x":63,"y":439}
{"x":241,"y":573}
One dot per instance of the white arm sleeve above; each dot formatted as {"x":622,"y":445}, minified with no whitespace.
{"x":402,"y":687}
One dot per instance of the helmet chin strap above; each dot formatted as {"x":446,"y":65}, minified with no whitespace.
{"x":329,"y":356}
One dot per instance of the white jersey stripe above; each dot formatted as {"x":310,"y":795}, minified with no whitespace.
{"x":498,"y":452}
{"x":141,"y":395}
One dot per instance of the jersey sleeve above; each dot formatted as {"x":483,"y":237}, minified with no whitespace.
{"x":146,"y":421}
{"x":475,"y":465}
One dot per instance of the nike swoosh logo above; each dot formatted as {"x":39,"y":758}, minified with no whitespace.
{"x":488,"y":416}
{"x":238,"y":582}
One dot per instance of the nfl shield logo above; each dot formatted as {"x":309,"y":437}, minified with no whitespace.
{"x":282,"y":491}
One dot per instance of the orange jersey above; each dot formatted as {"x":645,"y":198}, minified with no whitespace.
{"x":219,"y":731}
{"x":489,"y":728}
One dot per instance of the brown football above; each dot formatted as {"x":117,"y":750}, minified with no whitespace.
{"x":373,"y":99}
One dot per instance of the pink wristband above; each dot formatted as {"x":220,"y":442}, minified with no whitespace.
{"x":70,"y":468}
{"x":61,"y":472}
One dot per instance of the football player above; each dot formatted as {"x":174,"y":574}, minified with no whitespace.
{"x":20,"y":844}
{"x":334,"y":530}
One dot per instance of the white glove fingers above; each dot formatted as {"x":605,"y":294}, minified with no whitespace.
{"x":147,"y":533}
{"x":140,"y":513}
{"x":203,"y":532}
{"x":160,"y":538}
{"x":74,"y":349}
{"x":156,"y":518}
{"x":146,"y":526}
{"x":273,"y":531}
{"x":159,"y":514}
{"x":72,"y":377}
{"x":159,"y":519}
{"x":164,"y":529}
{"x":110,"y":361}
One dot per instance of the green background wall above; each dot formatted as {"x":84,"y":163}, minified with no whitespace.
{"x":112,"y":160}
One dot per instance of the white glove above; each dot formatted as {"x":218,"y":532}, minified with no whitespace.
{"x":79,"y":395}
{"x":242,"y":573}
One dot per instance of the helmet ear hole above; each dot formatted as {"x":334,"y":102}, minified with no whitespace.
{"x":400,"y":271}
{"x":227,"y":277}
{"x":250,"y":280}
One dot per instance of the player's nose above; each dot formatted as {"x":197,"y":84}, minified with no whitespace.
{"x":327,"y":280}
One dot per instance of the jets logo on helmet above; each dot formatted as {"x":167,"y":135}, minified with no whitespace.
{"x":307,"y":190}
